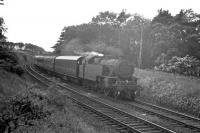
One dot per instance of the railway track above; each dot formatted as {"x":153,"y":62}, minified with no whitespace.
{"x":122,"y":121}
{"x":177,"y":119}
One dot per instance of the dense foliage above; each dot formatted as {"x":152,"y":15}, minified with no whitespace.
{"x":170,"y":90}
{"x":165,"y":34}
{"x":10,"y":62}
{"x":187,"y":65}
{"x":25,"y":47}
{"x":8,"y":52}
{"x":25,"y":109}
{"x":2,"y":30}
{"x":31,"y":48}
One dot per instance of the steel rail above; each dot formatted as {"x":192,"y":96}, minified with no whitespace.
{"x":124,"y":120}
{"x":178,"y":118}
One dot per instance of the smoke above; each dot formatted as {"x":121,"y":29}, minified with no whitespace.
{"x":111,"y":50}
{"x":90,"y":53}
{"x":105,"y":49}
{"x":75,"y":47}
{"x":72,"y":47}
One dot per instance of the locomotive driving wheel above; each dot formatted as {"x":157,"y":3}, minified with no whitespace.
{"x":116,"y":94}
{"x":106,"y":91}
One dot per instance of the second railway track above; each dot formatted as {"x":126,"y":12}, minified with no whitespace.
{"x":121,"y":120}
{"x":176,"y":118}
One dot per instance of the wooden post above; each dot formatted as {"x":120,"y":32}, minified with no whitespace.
{"x":140,"y":53}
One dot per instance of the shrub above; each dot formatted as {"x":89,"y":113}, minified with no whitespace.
{"x":170,"y":90}
{"x":18,"y":70}
{"x":22,"y":110}
{"x":10,"y":62}
{"x":187,"y":65}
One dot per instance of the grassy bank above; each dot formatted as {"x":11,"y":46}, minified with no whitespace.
{"x":11,"y":84}
{"x":170,"y":90}
{"x":32,"y":108}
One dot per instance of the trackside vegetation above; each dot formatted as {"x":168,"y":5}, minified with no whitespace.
{"x":45,"y":110}
{"x":170,"y":90}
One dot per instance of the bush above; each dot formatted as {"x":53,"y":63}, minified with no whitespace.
{"x":187,"y":65}
{"x":170,"y":92}
{"x":7,"y":56}
{"x":18,"y":70}
{"x":23,"y":110}
{"x":9,"y":61}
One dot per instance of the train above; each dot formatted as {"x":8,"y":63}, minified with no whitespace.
{"x":105,"y":74}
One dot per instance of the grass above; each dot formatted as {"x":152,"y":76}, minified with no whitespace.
{"x":170,"y":90}
{"x":10,"y":84}
{"x":65,"y":116}
{"x":75,"y":119}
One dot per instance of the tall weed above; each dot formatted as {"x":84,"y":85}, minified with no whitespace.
{"x":182,"y":94}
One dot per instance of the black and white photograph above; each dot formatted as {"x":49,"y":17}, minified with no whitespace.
{"x":99,"y":66}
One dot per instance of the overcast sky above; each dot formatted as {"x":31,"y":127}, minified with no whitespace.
{"x":40,"y":21}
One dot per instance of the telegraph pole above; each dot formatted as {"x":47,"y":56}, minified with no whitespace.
{"x":119,"y":43}
{"x":140,"y":53}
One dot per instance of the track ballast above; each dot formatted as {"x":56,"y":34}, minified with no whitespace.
{"x":121,"y":120}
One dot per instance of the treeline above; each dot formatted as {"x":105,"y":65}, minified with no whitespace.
{"x":9,"y":57}
{"x":26,"y":47}
{"x":123,"y":33}
{"x":19,"y":45}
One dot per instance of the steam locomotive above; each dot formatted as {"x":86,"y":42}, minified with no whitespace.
{"x":111,"y":76}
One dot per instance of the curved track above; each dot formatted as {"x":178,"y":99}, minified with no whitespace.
{"x":121,"y":120}
{"x":176,"y":118}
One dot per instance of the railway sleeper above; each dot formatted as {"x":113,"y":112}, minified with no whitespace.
{"x":154,"y":131}
{"x":111,"y":123}
{"x":120,"y":128}
{"x":142,"y":127}
{"x":115,"y":125}
{"x":109,"y":112}
{"x":131,"y":122}
{"x":136,"y":124}
{"x":146,"y":129}
{"x":127,"y":121}
{"x":115,"y":116}
{"x":123,"y":118}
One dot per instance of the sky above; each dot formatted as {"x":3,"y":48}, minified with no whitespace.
{"x":40,"y":22}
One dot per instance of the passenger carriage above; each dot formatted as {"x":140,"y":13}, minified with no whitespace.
{"x":106,"y":74}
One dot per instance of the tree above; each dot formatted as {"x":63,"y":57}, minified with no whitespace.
{"x":187,"y":17}
{"x":2,"y":30}
{"x":105,"y":18}
{"x":85,"y":33}
{"x":138,"y":27}
{"x":111,"y":18}
{"x":122,"y":17}
{"x":34,"y":49}
{"x":165,"y":35}
{"x":116,"y":21}
{"x":175,"y":35}
{"x":163,"y":17}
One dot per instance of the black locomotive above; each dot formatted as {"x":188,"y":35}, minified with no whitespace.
{"x":112,"y":76}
